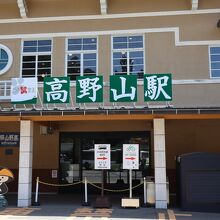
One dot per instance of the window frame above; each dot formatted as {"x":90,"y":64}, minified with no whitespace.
{"x":126,"y":51}
{"x":81,"y":52}
{"x":5,"y":88}
{"x":210,"y":62}
{"x":36,"y":54}
{"x":10,"y":59}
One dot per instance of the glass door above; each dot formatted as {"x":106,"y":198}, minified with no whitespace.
{"x":69,"y":160}
{"x":77,"y":156}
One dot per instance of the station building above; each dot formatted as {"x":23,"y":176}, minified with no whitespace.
{"x":55,"y":141}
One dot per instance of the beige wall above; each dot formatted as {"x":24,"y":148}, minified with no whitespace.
{"x":104,"y":56}
{"x":184,"y":62}
{"x":88,"y":7}
{"x":48,"y":8}
{"x":58,"y":56}
{"x":9,"y":9}
{"x":196,"y":95}
{"x":129,"y":6}
{"x":161,"y":56}
{"x":191,"y":26}
{"x":206,"y":4}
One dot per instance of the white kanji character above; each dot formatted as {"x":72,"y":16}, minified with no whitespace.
{"x":155,"y":87}
{"x":123,"y":92}
{"x":88,"y":86}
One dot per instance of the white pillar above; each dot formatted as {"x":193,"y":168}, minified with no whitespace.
{"x":25,"y":164}
{"x":160,"y":164}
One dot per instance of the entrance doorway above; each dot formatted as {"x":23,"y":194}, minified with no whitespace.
{"x":77,"y":158}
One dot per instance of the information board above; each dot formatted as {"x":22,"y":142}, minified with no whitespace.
{"x":131,"y":156}
{"x":11,"y":139}
{"x":102,"y":157}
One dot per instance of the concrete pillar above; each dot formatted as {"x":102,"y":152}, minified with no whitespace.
{"x":160,"y":164}
{"x":25,"y":164}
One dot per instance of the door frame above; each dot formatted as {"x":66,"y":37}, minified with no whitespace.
{"x":81,"y":134}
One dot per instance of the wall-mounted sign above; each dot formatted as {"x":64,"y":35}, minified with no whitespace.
{"x":157,"y":87}
{"x":9,"y":139}
{"x":89,"y":89}
{"x":131,"y":156}
{"x":123,"y":88}
{"x":24,"y":90}
{"x":56,"y":89}
{"x":102,"y":157}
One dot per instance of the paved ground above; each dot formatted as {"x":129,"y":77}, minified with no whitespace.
{"x":68,"y":207}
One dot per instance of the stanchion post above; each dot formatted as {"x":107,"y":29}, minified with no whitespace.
{"x":36,"y":202}
{"x":130,"y":176}
{"x":145,"y":193}
{"x":86,"y":203}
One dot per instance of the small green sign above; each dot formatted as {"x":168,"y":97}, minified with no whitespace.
{"x":123,"y":88}
{"x":89,"y":89}
{"x":56,"y":89}
{"x":158,"y":87}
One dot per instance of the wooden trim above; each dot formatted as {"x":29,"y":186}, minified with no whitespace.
{"x":119,"y":117}
{"x":190,"y":116}
{"x":9,"y":118}
{"x":127,"y":117}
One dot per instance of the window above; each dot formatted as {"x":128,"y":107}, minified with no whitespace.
{"x":5,"y":59}
{"x":5,"y":90}
{"x":215,"y":61}
{"x":81,"y":57}
{"x":128,"y":56}
{"x":36,"y":58}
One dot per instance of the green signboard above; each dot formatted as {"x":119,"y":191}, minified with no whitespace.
{"x":89,"y":89}
{"x":123,"y":88}
{"x":157,"y":87}
{"x":56,"y":89}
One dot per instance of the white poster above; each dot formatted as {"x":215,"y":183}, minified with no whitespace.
{"x":131,"y":156}
{"x":24,"y":90}
{"x":102,"y":157}
{"x":54,"y":174}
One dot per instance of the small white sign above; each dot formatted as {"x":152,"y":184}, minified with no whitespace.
{"x":131,"y":156}
{"x":102,"y":157}
{"x":54,"y":174}
{"x":24,"y":90}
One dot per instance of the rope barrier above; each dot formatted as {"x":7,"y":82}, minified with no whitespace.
{"x":114,"y":190}
{"x":92,"y":184}
{"x":52,"y":184}
{"x":36,"y":202}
